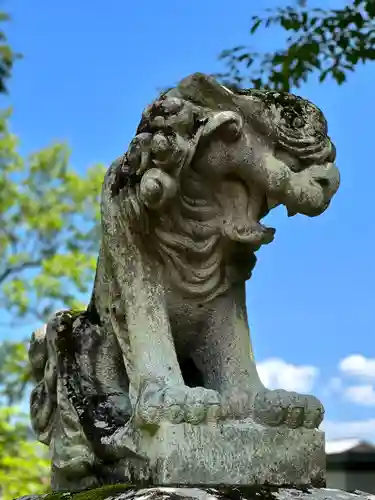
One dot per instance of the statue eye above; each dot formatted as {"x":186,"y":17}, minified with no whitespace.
{"x":298,"y":122}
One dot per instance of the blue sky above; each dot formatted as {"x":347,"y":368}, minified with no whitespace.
{"x":88,"y":72}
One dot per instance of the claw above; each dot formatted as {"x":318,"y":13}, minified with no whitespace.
{"x":177,"y":404}
{"x":280,"y":407}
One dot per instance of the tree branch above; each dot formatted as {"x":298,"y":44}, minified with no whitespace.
{"x":19,"y":268}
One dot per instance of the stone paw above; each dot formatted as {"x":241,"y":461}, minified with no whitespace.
{"x":177,"y":404}
{"x":294,"y":410}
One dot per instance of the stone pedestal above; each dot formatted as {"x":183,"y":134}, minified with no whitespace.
{"x":234,"y":453}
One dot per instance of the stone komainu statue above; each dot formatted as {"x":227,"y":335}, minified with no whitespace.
{"x":165,"y":337}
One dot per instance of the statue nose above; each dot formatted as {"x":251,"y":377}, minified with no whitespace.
{"x":323,"y":182}
{"x":328,"y":179}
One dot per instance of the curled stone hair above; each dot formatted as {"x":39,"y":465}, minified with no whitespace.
{"x":166,"y":140}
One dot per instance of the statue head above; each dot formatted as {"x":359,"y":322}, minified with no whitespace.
{"x":207,"y":164}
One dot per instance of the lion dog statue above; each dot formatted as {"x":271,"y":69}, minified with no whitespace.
{"x":165,"y":336}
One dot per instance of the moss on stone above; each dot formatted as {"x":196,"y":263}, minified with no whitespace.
{"x":95,"y":494}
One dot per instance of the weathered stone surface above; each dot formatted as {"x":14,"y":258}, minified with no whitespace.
{"x":165,"y":338}
{"x":234,"y":453}
{"x":254,"y":493}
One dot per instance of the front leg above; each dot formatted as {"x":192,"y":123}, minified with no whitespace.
{"x":224,"y":355}
{"x":140,"y":319}
{"x":223,"y":352}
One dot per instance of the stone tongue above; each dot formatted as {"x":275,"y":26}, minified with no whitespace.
{"x":255,"y":234}
{"x":241,"y":212}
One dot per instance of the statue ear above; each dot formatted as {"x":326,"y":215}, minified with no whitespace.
{"x":226,"y":123}
{"x":205,"y":91}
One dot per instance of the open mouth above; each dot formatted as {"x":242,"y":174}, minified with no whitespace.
{"x":300,"y":178}
{"x":242,"y":211}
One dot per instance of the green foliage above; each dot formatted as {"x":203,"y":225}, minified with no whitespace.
{"x":329,"y":42}
{"x":15,"y":372}
{"x":49,"y":238}
{"x":7,"y":56}
{"x":49,"y":232}
{"x":24,"y":465}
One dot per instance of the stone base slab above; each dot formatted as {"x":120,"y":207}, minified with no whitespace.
{"x":161,"y":493}
{"x":235,"y":453}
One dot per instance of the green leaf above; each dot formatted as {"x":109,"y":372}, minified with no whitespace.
{"x":316,"y":39}
{"x":24,"y":464}
{"x":339,"y":76}
{"x":255,"y":26}
{"x":49,"y":227}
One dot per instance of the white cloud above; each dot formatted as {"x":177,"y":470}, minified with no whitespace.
{"x":357,"y":365}
{"x":362,"y":368}
{"x":278,"y":374}
{"x":334,"y":386}
{"x":361,"y":394}
{"x":360,"y":429}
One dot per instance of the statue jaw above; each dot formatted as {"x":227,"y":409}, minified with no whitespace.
{"x":245,"y":202}
{"x":306,"y":192}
